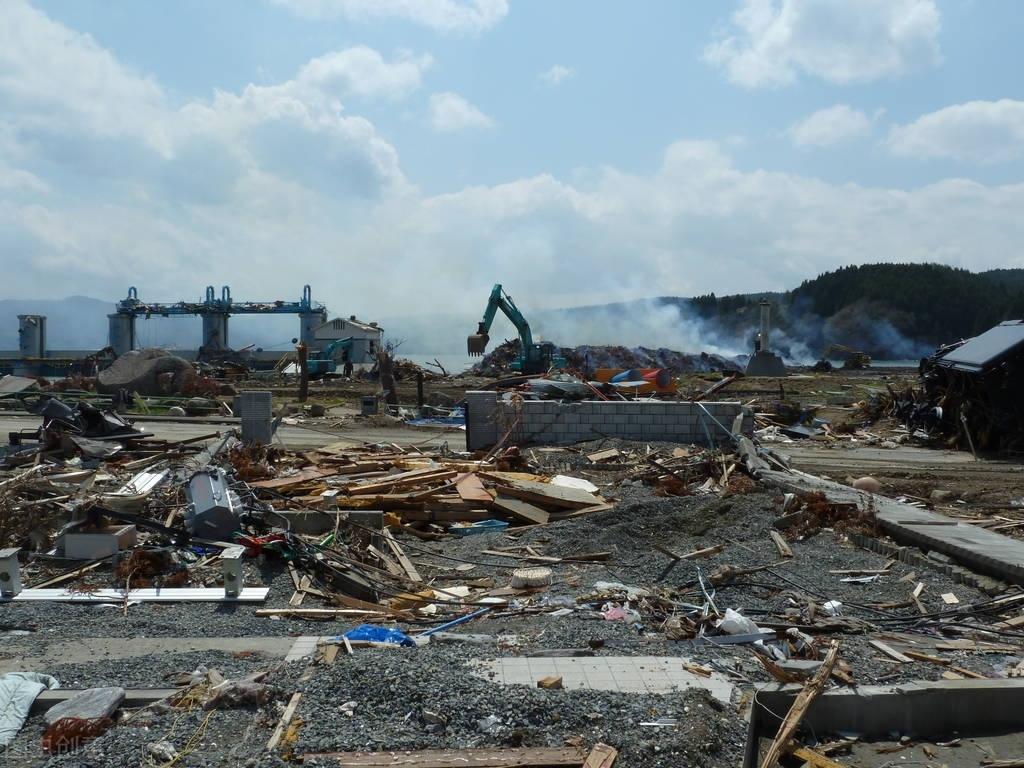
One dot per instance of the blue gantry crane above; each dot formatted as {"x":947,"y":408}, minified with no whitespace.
{"x":215,"y":312}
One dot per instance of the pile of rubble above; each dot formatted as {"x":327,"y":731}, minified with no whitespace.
{"x":591,"y":357}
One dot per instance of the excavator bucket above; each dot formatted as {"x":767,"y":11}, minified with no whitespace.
{"x":477,"y":343}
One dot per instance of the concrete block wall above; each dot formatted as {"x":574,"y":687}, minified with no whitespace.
{"x":554,"y":422}
{"x":481,"y":420}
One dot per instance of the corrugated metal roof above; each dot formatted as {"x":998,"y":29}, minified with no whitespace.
{"x":349,"y":321}
{"x":989,"y":349}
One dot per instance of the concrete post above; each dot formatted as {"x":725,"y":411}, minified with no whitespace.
{"x":122,"y":333}
{"x":10,"y":573}
{"x":766,"y":322}
{"x":234,"y":575}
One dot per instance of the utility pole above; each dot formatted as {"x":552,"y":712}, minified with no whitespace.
{"x":302,"y":352}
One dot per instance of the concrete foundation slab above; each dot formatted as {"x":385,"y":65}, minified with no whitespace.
{"x":985,"y":551}
{"x":924,"y":709}
{"x":628,"y":674}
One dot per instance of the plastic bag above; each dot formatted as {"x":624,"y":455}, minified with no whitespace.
{"x":736,"y":623}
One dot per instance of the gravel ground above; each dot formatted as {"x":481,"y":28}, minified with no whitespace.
{"x":205,"y":739}
{"x":393,"y":689}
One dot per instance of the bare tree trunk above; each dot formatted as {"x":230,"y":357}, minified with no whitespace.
{"x":387,"y":376}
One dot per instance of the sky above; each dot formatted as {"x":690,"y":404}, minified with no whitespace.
{"x":401,"y":156}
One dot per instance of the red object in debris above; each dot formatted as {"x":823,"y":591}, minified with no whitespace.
{"x":659,"y":376}
{"x":70,"y":733}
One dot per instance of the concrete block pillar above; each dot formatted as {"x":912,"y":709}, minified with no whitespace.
{"x":231,"y":567}
{"x":32,"y":336}
{"x":10,"y":573}
{"x":308,"y":323}
{"x":122,"y":333}
{"x":215,"y":331}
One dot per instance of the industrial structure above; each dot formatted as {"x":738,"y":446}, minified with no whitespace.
{"x":764,"y":362}
{"x":214,"y":312}
{"x":33,"y":357}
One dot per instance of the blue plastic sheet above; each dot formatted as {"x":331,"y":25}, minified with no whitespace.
{"x":380,"y":635}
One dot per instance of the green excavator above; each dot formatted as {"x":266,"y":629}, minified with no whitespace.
{"x":534,"y":357}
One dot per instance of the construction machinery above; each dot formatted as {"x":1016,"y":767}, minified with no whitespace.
{"x":322,"y":361}
{"x":852,"y":358}
{"x":534,"y":357}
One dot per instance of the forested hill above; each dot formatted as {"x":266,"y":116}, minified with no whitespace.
{"x":888,"y":310}
{"x":930,"y":302}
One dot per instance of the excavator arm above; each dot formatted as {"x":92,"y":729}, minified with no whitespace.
{"x":476,"y":344}
{"x":334,"y":346}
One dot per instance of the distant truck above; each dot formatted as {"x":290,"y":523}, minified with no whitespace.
{"x":853,"y":359}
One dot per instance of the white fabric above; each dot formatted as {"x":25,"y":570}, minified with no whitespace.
{"x":17,"y":692}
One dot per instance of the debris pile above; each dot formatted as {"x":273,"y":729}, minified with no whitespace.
{"x":591,"y":357}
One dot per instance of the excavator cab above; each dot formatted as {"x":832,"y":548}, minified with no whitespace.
{"x":476,"y":343}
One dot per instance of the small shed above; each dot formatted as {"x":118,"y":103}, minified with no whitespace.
{"x":367,"y":336}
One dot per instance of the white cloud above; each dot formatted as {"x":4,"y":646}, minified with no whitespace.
{"x":362,"y":71}
{"x":979,"y":131}
{"x":832,"y":125}
{"x":75,"y":85}
{"x":772,"y":42}
{"x":471,"y":16}
{"x":556,"y":74}
{"x":450,"y":112}
{"x":279,"y":185}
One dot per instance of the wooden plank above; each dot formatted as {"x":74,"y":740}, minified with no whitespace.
{"x":544,"y":494}
{"x":301,"y":477}
{"x":389,"y":564}
{"x":355,"y":602}
{"x":816,"y":759}
{"x":601,"y":756}
{"x":889,"y":651}
{"x":520,"y":510}
{"x":286,"y":717}
{"x":471,"y":489}
{"x":918,"y":656}
{"x":801,"y":703}
{"x":399,"y":553}
{"x":299,"y":594}
{"x":402,"y":480}
{"x":457,"y":758}
{"x":780,"y":544}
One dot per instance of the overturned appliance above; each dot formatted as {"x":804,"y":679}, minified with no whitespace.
{"x":972,"y":389}
{"x":213,"y":507}
{"x":81,"y":424}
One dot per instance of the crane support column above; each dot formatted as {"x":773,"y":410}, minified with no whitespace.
{"x":121,"y":337}
{"x":308,"y":323}
{"x":32,"y":336}
{"x":215,"y":331}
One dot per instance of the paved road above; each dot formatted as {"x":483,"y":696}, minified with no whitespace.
{"x":292,"y":436}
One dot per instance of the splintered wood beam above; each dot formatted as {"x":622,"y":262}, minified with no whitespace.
{"x":801,"y":704}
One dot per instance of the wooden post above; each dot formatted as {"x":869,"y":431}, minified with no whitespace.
{"x":419,"y":389}
{"x":302,"y":352}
